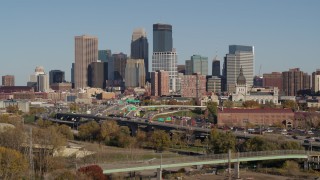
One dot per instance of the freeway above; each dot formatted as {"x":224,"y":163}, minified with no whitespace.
{"x":135,"y":122}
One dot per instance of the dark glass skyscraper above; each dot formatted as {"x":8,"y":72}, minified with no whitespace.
{"x":140,"y":48}
{"x":98,"y":74}
{"x":104,"y":55}
{"x":56,"y":76}
{"x":216,"y":68}
{"x":162,"y":38}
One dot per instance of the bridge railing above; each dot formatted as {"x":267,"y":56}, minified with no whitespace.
{"x":210,"y":157}
{"x":235,"y":155}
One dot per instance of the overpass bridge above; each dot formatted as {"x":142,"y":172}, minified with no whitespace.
{"x":132,"y":123}
{"x":236,"y":158}
{"x":75,"y":120}
{"x":173,"y":106}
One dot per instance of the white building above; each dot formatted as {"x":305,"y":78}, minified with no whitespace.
{"x":260,"y":95}
{"x":167,"y":61}
{"x":23,"y":106}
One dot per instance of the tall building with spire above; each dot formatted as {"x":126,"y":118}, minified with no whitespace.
{"x":86,"y":52}
{"x":140,"y":48}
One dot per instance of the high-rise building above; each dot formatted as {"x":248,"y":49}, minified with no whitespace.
{"x":193,"y":85}
{"x":86,"y":52}
{"x":119,"y":66}
{"x":56,"y":76}
{"x":213,"y":84}
{"x":159,"y":83}
{"x":306,"y":81}
{"x":239,"y":56}
{"x":199,"y":64}
{"x":135,"y":73}
{"x":42,"y":83}
{"x":273,"y":79}
{"x":316,"y":81}
{"x":216,"y":67}
{"x":8,"y":80}
{"x":140,"y":48}
{"x":181,"y":68}
{"x":98,"y":74}
{"x":104,"y":55}
{"x":166,"y":61}
{"x":257,"y":81}
{"x":162,"y":38}
{"x":294,"y":80}
{"x":72,"y":75}
{"x":188,"y":67}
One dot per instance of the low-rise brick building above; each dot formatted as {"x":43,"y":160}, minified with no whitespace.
{"x":243,"y":117}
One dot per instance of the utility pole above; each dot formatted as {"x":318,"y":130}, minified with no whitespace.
{"x":31,"y":155}
{"x":229,"y":163}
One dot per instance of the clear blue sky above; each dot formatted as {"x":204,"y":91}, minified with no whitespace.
{"x":285,"y":33}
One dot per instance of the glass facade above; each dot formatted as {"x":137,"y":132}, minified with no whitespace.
{"x":162,"y":38}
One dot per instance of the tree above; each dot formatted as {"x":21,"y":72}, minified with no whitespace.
{"x":36,"y":110}
{"x":268,"y":104}
{"x":73,"y":107}
{"x":290,"y":104}
{"x":65,"y":131}
{"x":251,"y":104}
{"x":160,"y":140}
{"x":93,"y":171}
{"x":290,"y":167}
{"x":228,"y":104}
{"x":259,"y":144}
{"x":123,"y":138}
{"x":291,"y":145}
{"x":47,"y":140}
{"x":212,"y":108}
{"x":14,"y":109}
{"x":12,"y":164}
{"x":12,"y":138}
{"x":140,"y":138}
{"x":221,"y":142}
{"x":43,"y":123}
{"x":89,"y":130}
{"x":108,"y":130}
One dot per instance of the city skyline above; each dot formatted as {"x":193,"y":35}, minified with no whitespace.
{"x":40,"y":33}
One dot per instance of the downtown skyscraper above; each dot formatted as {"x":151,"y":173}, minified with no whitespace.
{"x":238,"y":56}
{"x":86,"y":52}
{"x":197,"y":64}
{"x":164,"y":57}
{"x":162,"y":38}
{"x":140,"y":48}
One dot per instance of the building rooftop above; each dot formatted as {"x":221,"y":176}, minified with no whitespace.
{"x":266,"y":110}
